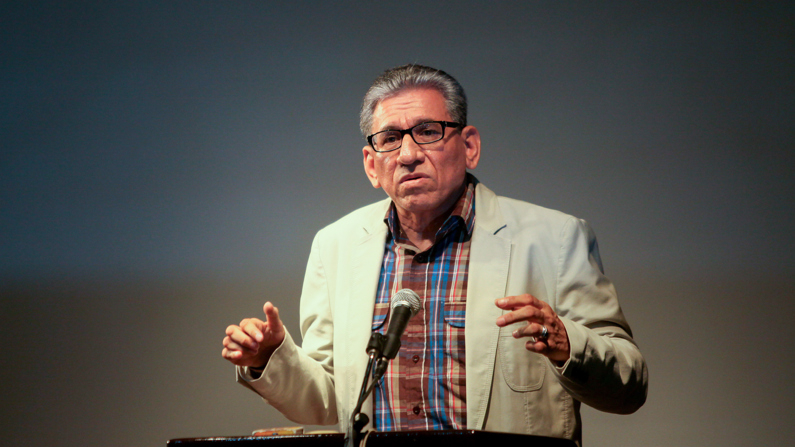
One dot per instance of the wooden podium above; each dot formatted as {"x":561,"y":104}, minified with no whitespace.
{"x":456,"y":438}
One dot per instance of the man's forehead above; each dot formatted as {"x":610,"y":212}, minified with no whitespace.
{"x":410,"y":107}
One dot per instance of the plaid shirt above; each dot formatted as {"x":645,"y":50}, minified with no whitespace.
{"x":424,"y":387}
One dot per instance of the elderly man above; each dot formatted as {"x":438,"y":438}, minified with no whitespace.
{"x":518,"y":325}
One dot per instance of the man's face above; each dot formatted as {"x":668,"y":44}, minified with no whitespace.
{"x":423,"y":180}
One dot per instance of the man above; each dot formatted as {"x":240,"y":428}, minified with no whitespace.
{"x":518,"y":324}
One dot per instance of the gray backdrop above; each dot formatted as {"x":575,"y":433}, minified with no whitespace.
{"x":165,"y":166}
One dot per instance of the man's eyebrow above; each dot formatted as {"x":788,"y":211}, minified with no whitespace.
{"x":415,"y":122}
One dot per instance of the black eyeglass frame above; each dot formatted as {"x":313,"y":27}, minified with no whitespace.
{"x":445,"y":125}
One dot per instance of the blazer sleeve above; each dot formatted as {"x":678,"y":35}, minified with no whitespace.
{"x":606,"y":369}
{"x":299,"y":381}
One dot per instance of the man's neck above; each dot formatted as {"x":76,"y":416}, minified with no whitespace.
{"x":422,"y":233}
{"x":421,"y":228}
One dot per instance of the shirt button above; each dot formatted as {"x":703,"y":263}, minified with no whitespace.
{"x":416,"y":409}
{"x":416,"y":358}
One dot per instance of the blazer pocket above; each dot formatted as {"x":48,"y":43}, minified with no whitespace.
{"x":523,"y":370}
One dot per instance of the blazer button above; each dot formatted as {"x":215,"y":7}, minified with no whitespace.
{"x":416,"y":409}
{"x":416,"y":358}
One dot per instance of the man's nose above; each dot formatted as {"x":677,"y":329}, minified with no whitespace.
{"x":410,"y":152}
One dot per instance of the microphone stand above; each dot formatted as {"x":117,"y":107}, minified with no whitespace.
{"x":359,"y":419}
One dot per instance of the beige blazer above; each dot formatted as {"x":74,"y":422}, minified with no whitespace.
{"x":516,"y":248}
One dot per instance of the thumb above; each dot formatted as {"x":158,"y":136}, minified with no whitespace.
{"x":272,"y":313}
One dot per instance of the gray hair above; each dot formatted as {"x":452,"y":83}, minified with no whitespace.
{"x":398,"y":79}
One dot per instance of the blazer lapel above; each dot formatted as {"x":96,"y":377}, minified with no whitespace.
{"x":366,"y":258}
{"x":490,"y":254}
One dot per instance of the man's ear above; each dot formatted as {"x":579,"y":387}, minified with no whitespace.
{"x":369,"y":166}
{"x":471,"y":138}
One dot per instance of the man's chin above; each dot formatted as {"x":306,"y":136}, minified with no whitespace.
{"x":417,"y":203}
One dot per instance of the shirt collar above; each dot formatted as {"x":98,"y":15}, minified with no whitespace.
{"x":463,"y":211}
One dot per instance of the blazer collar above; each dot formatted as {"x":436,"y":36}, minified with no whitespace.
{"x":487,"y":212}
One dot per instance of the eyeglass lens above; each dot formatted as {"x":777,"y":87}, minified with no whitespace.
{"x":422,"y":134}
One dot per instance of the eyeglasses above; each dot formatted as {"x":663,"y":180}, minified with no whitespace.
{"x":423,"y":133}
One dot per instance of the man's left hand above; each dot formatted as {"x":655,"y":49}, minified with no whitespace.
{"x":538,"y":315}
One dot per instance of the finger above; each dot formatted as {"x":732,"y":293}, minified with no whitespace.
{"x":243,"y":339}
{"x":530,"y":330}
{"x":253,"y":327}
{"x":515,"y":302}
{"x":537,"y":346}
{"x":527,"y":313}
{"x":274,"y":322}
{"x":232,"y":346}
{"x":231,"y":354}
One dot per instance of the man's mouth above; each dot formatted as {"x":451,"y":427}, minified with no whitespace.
{"x":411,"y":178}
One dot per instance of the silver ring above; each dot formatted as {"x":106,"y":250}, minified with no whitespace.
{"x":544,"y":332}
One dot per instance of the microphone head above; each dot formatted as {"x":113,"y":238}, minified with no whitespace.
{"x":407,"y":298}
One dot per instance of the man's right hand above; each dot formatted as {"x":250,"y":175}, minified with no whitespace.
{"x":253,"y":341}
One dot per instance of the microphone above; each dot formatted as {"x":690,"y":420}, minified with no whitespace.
{"x":405,"y":304}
